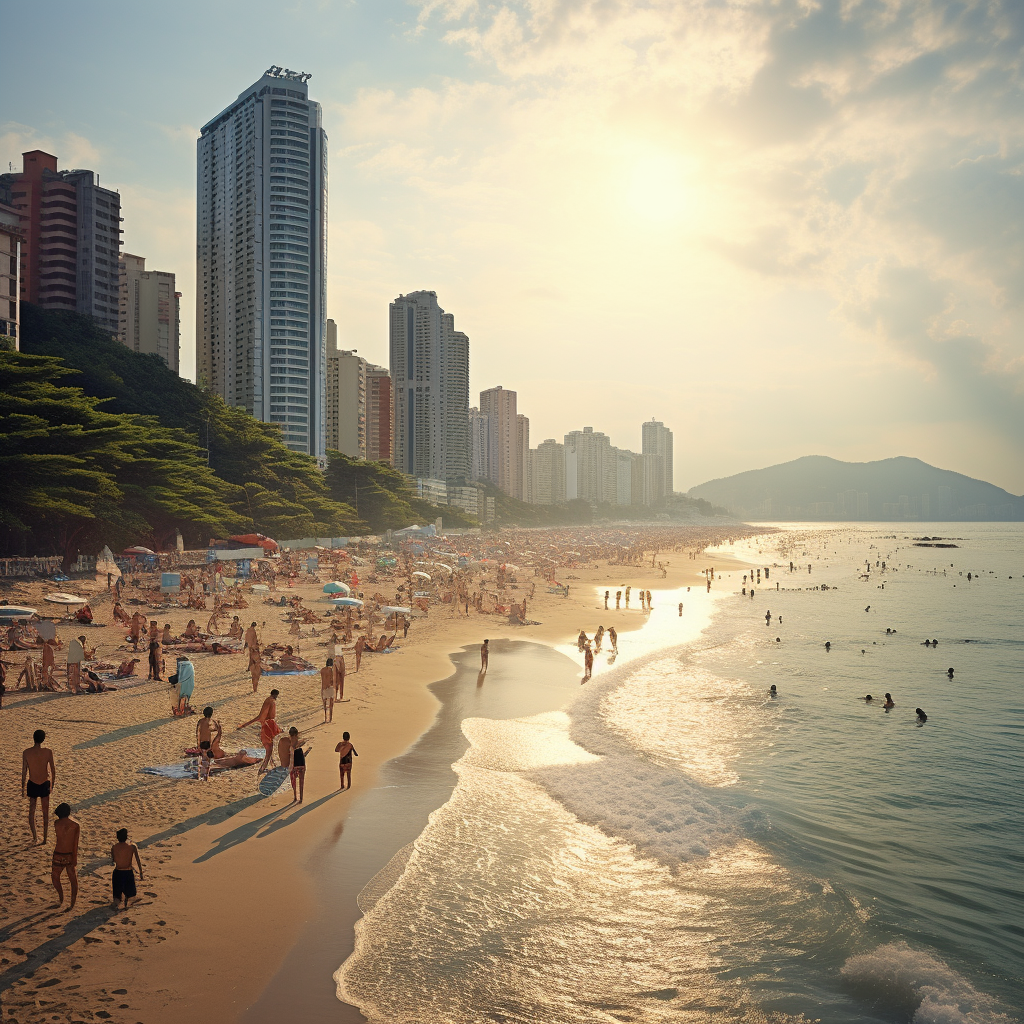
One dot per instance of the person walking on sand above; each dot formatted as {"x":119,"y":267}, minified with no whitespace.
{"x":680,"y":609}
{"x":39,"y":774}
{"x":618,"y":599}
{"x":67,"y":833}
{"x":122,"y":880}
{"x":613,"y":639}
{"x":156,"y":660}
{"x":297,"y":765}
{"x":346,"y":752}
{"x":360,"y":644}
{"x":327,"y":690}
{"x":76,"y":655}
{"x":588,"y":663}
{"x":485,"y":653}
{"x":255,"y":664}
{"x":607,"y":594}
{"x":268,"y":727}
{"x":339,"y":677}
{"x":204,"y":727}
{"x":135,"y":629}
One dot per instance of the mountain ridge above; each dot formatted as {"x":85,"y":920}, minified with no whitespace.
{"x":819,"y":487}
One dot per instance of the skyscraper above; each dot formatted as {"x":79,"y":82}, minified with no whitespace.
{"x":11,"y":235}
{"x":547,"y":473}
{"x":261,"y":255}
{"x":149,"y":320}
{"x":480,"y":442}
{"x":379,"y":414}
{"x":657,"y":441}
{"x":522,"y":475}
{"x":358,"y":403}
{"x":430,"y":381}
{"x":499,"y":406}
{"x":72,"y":240}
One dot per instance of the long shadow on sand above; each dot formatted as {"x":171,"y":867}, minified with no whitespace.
{"x":77,"y":928}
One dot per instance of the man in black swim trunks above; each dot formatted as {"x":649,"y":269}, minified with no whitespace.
{"x":123,"y":878}
{"x":38,"y":769}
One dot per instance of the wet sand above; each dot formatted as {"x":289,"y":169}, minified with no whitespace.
{"x":523,"y":679}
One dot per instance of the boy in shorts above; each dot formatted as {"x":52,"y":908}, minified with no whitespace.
{"x":123,"y":878}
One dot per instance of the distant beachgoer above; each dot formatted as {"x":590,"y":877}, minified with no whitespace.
{"x":949,"y":672}
{"x":828,"y":645}
{"x":921,"y":716}
{"x":38,"y":777}
{"x":297,"y":773}
{"x":268,"y":726}
{"x":405,"y":626}
{"x":588,"y":663}
{"x":627,"y":597}
{"x":155,"y":660}
{"x":67,"y":833}
{"x":650,"y":603}
{"x":346,"y":752}
{"x":618,"y":599}
{"x":191,"y":630}
{"x":889,"y":702}
{"x":485,"y":653}
{"x":607,"y":594}
{"x":772,"y":691}
{"x":76,"y":655}
{"x":84,"y":614}
{"x":204,"y":727}
{"x":768,"y":617}
{"x":327,"y":690}
{"x":868,"y":699}
{"x":613,"y":639}
{"x":338,"y":667}
{"x":360,"y":644}
{"x":680,"y":609}
{"x":120,"y":615}
{"x":122,"y":879}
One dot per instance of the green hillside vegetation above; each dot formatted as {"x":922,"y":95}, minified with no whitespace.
{"x":109,"y":446}
{"x":820,"y":488}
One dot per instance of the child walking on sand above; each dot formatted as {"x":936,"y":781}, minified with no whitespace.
{"x":123,"y":877}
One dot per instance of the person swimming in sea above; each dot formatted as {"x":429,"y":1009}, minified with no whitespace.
{"x":921,"y":716}
{"x":949,"y":672}
{"x":828,"y":645}
{"x":772,"y":692}
{"x":889,"y":702}
{"x":868,"y":699}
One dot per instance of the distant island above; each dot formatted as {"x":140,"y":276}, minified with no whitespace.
{"x":819,"y":488}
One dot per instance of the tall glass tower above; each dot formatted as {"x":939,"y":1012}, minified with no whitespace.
{"x":261,"y":257}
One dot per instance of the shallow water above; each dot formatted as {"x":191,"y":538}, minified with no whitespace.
{"x":675,"y":842}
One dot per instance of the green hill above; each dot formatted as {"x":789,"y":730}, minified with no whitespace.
{"x":819,"y":488}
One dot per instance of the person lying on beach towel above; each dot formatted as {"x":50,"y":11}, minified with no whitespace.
{"x":120,"y":615}
{"x":290,"y":662}
{"x":95,"y":684}
{"x":126,"y":668}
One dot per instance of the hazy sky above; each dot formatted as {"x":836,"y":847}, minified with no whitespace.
{"x":783,"y":227}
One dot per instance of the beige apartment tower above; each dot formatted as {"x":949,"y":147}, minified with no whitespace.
{"x":149,"y":310}
{"x":359,"y":417}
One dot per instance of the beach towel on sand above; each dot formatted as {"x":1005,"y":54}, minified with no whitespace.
{"x":190,"y":769}
{"x":292,"y":672}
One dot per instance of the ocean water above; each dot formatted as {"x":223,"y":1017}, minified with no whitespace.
{"x":677,"y":845}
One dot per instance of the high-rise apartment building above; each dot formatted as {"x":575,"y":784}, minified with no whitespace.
{"x":358,"y":403}
{"x":430,"y":379}
{"x":11,"y":235}
{"x":522,"y":476}
{"x":586,"y":453}
{"x":72,"y":239}
{"x":261,"y":255}
{"x":480,"y":442}
{"x":149,"y":316}
{"x":657,"y":441}
{"x":547,"y":473}
{"x":379,"y":414}
{"x":499,"y":406}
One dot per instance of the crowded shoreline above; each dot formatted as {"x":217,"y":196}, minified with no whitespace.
{"x":203,"y":875}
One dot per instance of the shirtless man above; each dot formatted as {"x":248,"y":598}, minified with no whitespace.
{"x":250,"y":640}
{"x":360,"y":644}
{"x":120,"y":615}
{"x":268,"y":726}
{"x":235,"y":629}
{"x":339,"y":677}
{"x":588,"y":663}
{"x":122,"y":853}
{"x":76,"y":655}
{"x":38,"y":768}
{"x":485,"y":653}
{"x":613,"y":639}
{"x":135,"y":629}
{"x":67,"y":833}
{"x":165,"y":636}
{"x":327,"y":690}
{"x":204,"y":727}
{"x":346,"y":752}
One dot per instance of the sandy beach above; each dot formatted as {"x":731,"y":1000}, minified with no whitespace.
{"x":233,"y":871}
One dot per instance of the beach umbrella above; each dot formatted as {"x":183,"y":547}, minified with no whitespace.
{"x":347,"y":602}
{"x":336,"y":587}
{"x":391,"y":609}
{"x":15,"y":613}
{"x":138,"y":549}
{"x":61,"y":598}
{"x":422,"y":575}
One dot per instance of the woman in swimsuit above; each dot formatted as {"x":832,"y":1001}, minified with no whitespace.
{"x":347,"y":752}
{"x":298,"y":764}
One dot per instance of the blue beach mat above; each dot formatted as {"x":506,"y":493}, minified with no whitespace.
{"x":293,"y":672}
{"x":190,"y":769}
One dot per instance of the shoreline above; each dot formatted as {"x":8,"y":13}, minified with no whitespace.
{"x":238,"y":859}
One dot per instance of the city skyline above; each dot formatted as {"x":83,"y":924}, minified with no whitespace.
{"x":814,"y":230}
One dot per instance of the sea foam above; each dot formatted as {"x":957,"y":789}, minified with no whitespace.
{"x":919,"y":986}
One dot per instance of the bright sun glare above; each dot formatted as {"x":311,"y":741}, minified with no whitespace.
{"x":658,"y":189}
